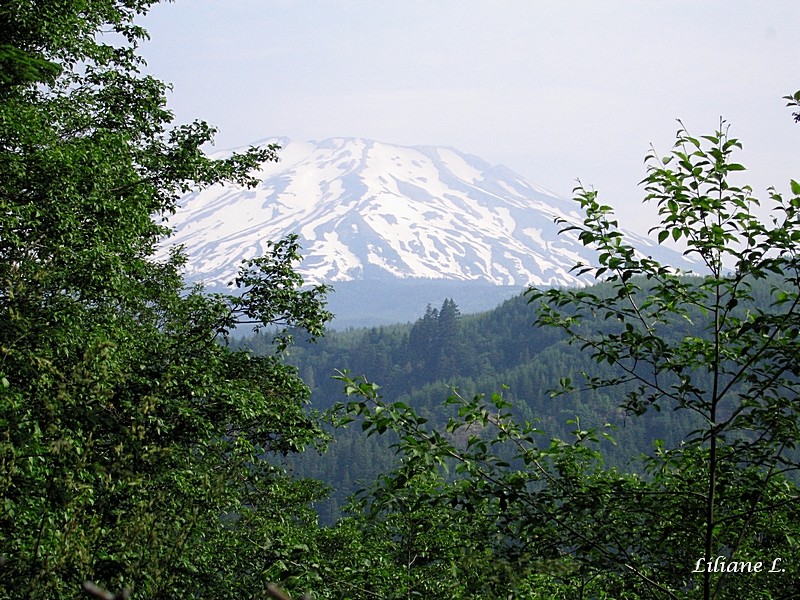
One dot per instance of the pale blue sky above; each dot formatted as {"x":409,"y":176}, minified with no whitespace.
{"x":554,"y":90}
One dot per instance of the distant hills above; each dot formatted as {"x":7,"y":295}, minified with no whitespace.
{"x":493,"y":351}
{"x":394,"y":218}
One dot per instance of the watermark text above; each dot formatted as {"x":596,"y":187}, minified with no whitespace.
{"x":721,"y":564}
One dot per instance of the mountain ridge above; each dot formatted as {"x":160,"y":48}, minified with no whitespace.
{"x":365,"y":210}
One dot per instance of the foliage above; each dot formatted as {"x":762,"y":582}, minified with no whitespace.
{"x":749,"y":411}
{"x":409,"y":547}
{"x":490,"y":349}
{"x":729,"y":488}
{"x":132,"y":443}
{"x":794,"y":100}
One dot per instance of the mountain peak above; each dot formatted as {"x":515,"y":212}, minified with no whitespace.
{"x":364,"y":208}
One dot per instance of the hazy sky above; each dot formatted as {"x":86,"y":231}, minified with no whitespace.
{"x":554,"y":90}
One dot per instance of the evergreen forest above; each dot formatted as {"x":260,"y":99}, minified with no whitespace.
{"x":443,"y":354}
{"x":634,"y":439}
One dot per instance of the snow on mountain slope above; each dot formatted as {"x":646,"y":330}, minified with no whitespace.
{"x":365,"y":209}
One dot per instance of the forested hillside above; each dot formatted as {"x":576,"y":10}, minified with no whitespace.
{"x":444,"y":352}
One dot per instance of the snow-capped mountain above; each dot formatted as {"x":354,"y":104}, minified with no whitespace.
{"x":367,"y":209}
